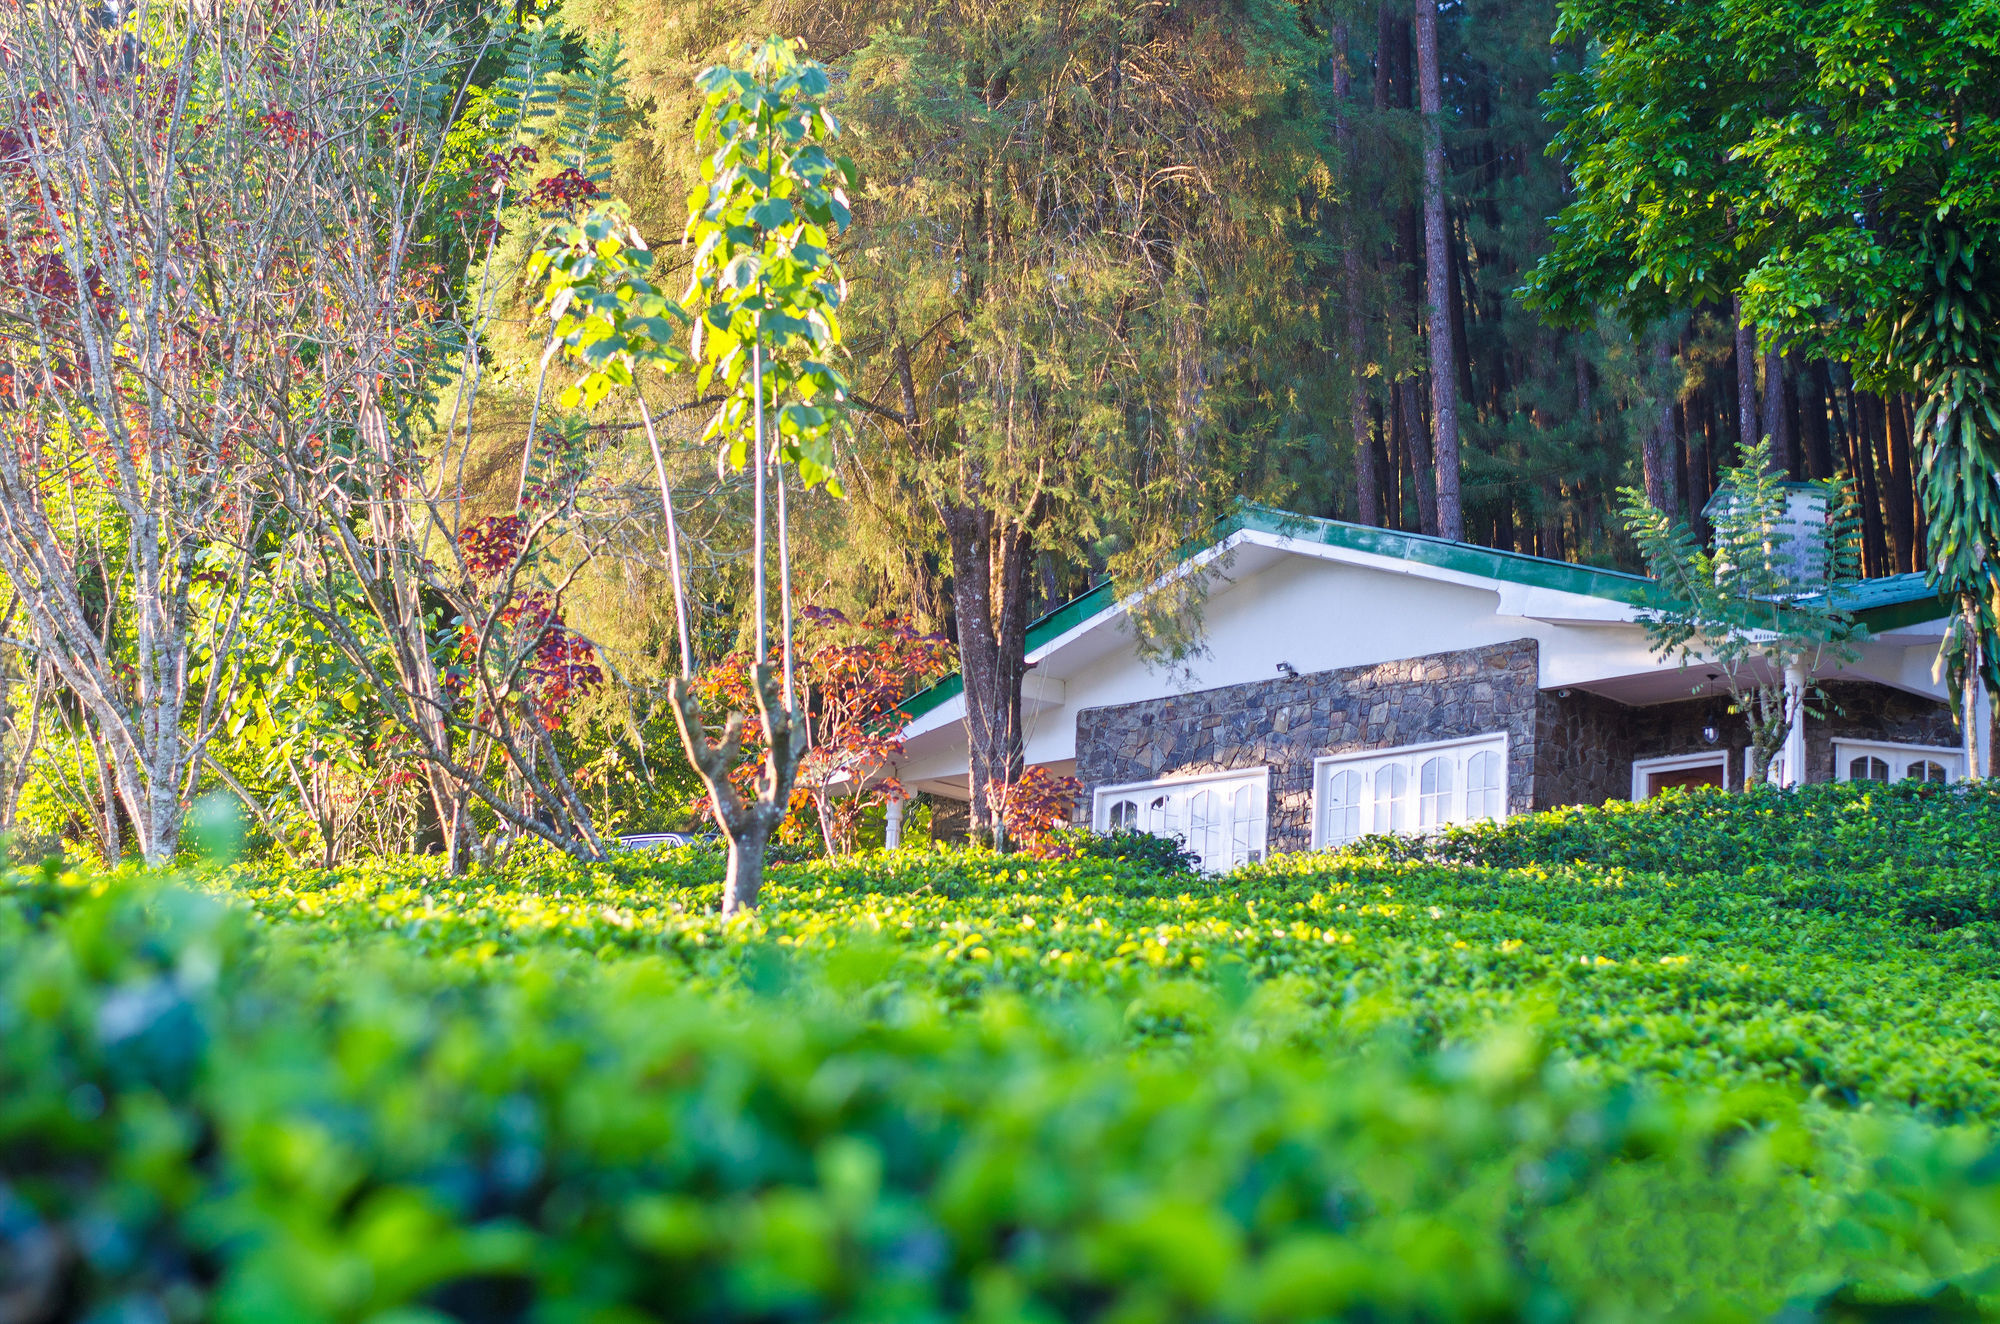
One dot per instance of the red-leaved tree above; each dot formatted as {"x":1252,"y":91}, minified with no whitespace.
{"x":1035,"y":809}
{"x":852,"y":675}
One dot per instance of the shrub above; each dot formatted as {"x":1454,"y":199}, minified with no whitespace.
{"x":189,"y":1132}
{"x":923,"y":1085}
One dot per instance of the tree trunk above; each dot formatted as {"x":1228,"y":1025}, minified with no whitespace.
{"x":1813,"y":424}
{"x":1418,"y":444}
{"x":989,"y":562}
{"x":743,"y":879}
{"x":748,"y":824}
{"x":1660,"y":442}
{"x":1698,"y":435}
{"x":1748,"y":429}
{"x":1437,"y":274}
{"x":1891,"y":489}
{"x":1776,"y":422}
{"x":1902,"y":487}
{"x":1367,"y":503}
{"x":1861,"y":463}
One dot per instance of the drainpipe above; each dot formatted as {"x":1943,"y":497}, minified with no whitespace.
{"x":1795,"y":735}
{"x":892,"y":835}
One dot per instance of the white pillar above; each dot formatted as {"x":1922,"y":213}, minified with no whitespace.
{"x":1795,"y":735}
{"x":892,"y":834}
{"x":1979,"y":732}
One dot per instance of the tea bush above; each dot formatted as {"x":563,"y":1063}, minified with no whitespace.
{"x":1390,"y":1084}
{"x":1837,"y":965}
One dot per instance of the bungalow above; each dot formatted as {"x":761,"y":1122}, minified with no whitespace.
{"x":1361,"y":680}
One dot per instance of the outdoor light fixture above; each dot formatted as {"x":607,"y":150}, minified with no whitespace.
{"x":1287,"y":669}
{"x":1710,"y":734}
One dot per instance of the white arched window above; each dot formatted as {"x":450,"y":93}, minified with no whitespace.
{"x":1886,"y":761}
{"x":1246,"y":823}
{"x":1434,"y":799}
{"x":1207,"y":824}
{"x":1220,"y":818}
{"x":1410,"y":789}
{"x":1340,"y":807}
{"x":1485,"y":786}
{"x":1392,"y":798}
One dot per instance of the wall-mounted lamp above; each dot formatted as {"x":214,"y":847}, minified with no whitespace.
{"x":1710,"y":734}
{"x":1287,"y":669}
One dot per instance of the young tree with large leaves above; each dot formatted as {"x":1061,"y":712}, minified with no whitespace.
{"x":763,"y":301}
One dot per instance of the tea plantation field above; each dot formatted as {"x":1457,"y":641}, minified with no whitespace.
{"x":1714,"y":1056}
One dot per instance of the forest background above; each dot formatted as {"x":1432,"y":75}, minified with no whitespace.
{"x":1112,"y":267}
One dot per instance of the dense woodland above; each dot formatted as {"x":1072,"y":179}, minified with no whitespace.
{"x":329,"y":494}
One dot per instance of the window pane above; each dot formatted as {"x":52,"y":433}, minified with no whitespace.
{"x":1205,"y":828}
{"x":1434,"y":795}
{"x":1392,"y":798}
{"x":1926,"y":770}
{"x":1246,"y":809}
{"x":1124,"y":815}
{"x":1340,"y":819}
{"x":1484,"y":795}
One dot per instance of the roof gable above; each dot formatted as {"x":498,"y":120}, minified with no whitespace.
{"x":1879,"y":604}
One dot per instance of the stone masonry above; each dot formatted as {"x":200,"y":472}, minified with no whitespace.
{"x":1287,"y":722}
{"x":1585,"y":745}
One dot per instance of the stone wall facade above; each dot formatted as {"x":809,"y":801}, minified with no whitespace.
{"x":1862,"y":711}
{"x":1585,"y":745}
{"x":1287,"y":722}
{"x":1564,"y":746}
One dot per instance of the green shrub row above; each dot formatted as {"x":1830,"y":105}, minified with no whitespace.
{"x":194,"y":1126}
{"x":1872,"y":983}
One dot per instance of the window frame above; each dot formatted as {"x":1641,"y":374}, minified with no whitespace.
{"x":1103,"y":798}
{"x":1642,"y":769}
{"x":1499,"y":742}
{"x":1897,"y":754}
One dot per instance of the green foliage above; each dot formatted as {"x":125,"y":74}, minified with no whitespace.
{"x":1833,"y":939}
{"x":1164,"y":855}
{"x":595,"y":277}
{"x":1763,"y":599}
{"x":1836,"y":165}
{"x":1949,"y":340}
{"x":765,"y":285}
{"x":902,"y":1092}
{"x":1789,"y":152}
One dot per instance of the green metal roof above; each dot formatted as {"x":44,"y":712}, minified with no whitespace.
{"x":1893,"y":601}
{"x":1445,"y":554}
{"x":1879,"y":604}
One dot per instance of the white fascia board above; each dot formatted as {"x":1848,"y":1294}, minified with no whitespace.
{"x":1199,"y":562}
{"x":1037,"y":693}
{"x":1556,"y":607}
{"x":949,"y":713}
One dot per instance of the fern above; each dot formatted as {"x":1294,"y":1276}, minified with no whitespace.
{"x":527,"y":93}
{"x":594,"y":113}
